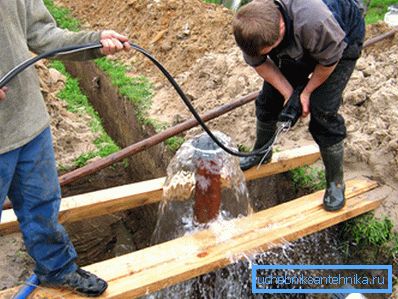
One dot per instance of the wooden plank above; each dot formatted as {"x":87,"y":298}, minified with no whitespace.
{"x":171,"y":262}
{"x":130,"y":196}
{"x":284,"y":161}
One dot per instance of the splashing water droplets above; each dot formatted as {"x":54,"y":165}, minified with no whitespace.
{"x":204,"y":185}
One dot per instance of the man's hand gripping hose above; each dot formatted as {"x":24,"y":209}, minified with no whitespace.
{"x":292,"y":110}
{"x":287,"y":117}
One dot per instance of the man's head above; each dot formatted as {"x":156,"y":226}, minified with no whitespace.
{"x":258,"y":27}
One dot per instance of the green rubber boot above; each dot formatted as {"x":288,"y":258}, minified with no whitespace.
{"x":333,"y":157}
{"x":264,"y":132}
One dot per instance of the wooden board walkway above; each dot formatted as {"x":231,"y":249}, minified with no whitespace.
{"x":169,"y":263}
{"x":130,"y":196}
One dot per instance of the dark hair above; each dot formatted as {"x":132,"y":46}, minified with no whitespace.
{"x":256,"y":25}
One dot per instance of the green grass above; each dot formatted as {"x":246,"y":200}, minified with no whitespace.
{"x":244,"y":148}
{"x":174,"y":143}
{"x":309,"y":178}
{"x":367,"y":230}
{"x":370,"y":240}
{"x":78,"y":103}
{"x":137,"y":89}
{"x":213,"y":1}
{"x":62,"y":16}
{"x":377,"y":9}
{"x":370,"y":237}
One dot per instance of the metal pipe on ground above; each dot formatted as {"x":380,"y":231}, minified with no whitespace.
{"x":151,"y":141}
{"x":147,"y":143}
{"x":379,"y":38}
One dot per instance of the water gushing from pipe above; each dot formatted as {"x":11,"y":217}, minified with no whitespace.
{"x":204,"y":184}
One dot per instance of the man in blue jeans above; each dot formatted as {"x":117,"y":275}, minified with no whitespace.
{"x":28,"y":174}
{"x":310,"y":46}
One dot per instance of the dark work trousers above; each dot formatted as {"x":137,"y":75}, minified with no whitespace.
{"x":29,"y":177}
{"x":327,"y":126}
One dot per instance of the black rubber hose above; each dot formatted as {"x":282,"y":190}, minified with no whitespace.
{"x":72,"y":49}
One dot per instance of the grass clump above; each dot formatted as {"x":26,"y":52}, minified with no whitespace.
{"x":366,"y":230}
{"x":370,"y":240}
{"x":243,"y":148}
{"x":309,"y":178}
{"x":377,"y":9}
{"x":137,"y":89}
{"x":213,"y":1}
{"x":78,"y":103}
{"x":63,"y":16}
{"x":174,"y":143}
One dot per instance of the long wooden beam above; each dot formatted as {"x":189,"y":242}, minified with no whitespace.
{"x":157,"y":267}
{"x":130,"y":196}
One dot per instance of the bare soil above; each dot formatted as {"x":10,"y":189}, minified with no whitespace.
{"x":195,"y":43}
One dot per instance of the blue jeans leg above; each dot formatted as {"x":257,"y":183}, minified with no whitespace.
{"x":35,"y":194}
{"x":8,"y":163}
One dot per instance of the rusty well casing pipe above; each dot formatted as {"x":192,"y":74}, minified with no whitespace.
{"x":209,"y":163}
{"x":207,"y":191}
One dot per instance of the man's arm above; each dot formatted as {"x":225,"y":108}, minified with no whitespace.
{"x":271,"y":74}
{"x":318,"y":77}
{"x":43,"y":35}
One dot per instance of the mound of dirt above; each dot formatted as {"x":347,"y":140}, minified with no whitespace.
{"x":371,"y":110}
{"x":176,"y":32}
{"x":213,"y":80}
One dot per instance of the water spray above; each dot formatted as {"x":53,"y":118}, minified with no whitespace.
{"x":204,"y":186}
{"x":203,"y":173}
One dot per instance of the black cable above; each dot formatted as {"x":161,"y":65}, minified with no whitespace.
{"x":25,"y":64}
{"x":72,"y":49}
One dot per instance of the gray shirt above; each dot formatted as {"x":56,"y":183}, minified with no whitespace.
{"x":314,"y":30}
{"x":27,"y":26}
